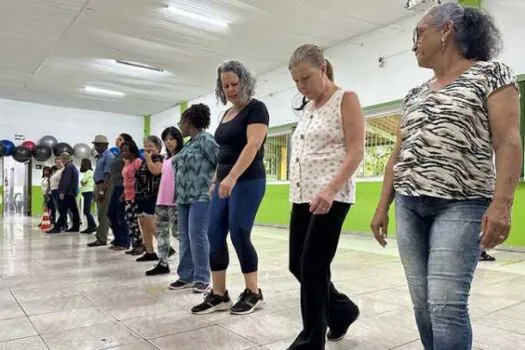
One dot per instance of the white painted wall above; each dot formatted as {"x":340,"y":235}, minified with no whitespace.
{"x":162,"y":120}
{"x":66,"y":124}
{"x":356,"y":64}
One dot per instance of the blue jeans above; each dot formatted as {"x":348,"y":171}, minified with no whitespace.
{"x":88,"y":199}
{"x":235,"y":215}
{"x":439,"y":245}
{"x":117,"y":220}
{"x":194,"y":262}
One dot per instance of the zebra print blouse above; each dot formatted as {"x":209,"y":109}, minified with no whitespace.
{"x":446,"y":149}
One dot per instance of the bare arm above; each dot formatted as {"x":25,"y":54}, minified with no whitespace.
{"x":504,"y":114}
{"x":255,"y":134}
{"x":354,"y":132}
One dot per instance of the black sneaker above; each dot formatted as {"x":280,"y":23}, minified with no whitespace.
{"x":335,"y":335}
{"x":148,"y":257}
{"x":158,"y":270}
{"x":212,"y":303}
{"x":178,"y":285}
{"x":248,"y":303}
{"x":201,"y":287}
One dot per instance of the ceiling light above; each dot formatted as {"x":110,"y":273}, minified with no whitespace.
{"x":139,"y":65}
{"x":95,"y":90}
{"x":200,"y":18}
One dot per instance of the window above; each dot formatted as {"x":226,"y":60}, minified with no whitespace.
{"x":276,"y":157}
{"x":379,"y":144}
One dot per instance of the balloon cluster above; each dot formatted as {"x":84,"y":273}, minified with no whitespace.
{"x":46,"y":147}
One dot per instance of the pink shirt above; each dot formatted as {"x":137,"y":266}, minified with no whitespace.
{"x":167,"y":185}
{"x":128,"y":173}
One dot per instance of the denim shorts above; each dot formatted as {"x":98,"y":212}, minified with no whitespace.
{"x":146,"y":207}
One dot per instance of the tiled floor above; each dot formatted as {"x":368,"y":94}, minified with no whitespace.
{"x":55,"y":293}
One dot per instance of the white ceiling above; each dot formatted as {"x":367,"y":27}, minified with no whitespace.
{"x":51,"y":49}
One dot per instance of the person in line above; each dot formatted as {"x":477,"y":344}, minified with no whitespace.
{"x":441,"y":174}
{"x":237,"y":189}
{"x":194,"y":167}
{"x":146,"y":191}
{"x":117,"y":208}
{"x":67,"y":192}
{"x":49,"y":204}
{"x":166,"y":211}
{"x":54,"y":181}
{"x":130,"y":153}
{"x":327,"y":148}
{"x":103,"y":188}
{"x":87,"y":185}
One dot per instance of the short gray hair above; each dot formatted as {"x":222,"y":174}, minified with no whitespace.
{"x":154,"y":140}
{"x":477,"y":36}
{"x":66,"y":156}
{"x":247,"y":81}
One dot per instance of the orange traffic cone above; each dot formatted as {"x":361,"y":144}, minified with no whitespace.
{"x":46,"y":224}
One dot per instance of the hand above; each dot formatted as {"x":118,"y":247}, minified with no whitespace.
{"x":495,"y":225}
{"x":61,"y":196}
{"x":211,"y":189}
{"x":379,"y":226}
{"x":322,"y":202}
{"x":147,"y":155}
{"x":226,"y":187}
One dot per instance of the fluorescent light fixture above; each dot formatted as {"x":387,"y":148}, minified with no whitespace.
{"x":100,"y":91}
{"x":139,"y":65}
{"x":200,"y":18}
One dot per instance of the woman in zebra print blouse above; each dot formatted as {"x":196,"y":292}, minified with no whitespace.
{"x":449,"y":201}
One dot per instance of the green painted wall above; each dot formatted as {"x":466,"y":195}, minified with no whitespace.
{"x":275,"y":210}
{"x":147,"y":125}
{"x":471,"y":3}
{"x":37,"y":201}
{"x":183,"y":106}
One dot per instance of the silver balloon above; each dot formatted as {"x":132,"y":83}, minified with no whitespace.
{"x":49,"y":141}
{"x":81,"y":151}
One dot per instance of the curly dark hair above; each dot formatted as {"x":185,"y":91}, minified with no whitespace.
{"x":176,"y":135}
{"x":476,"y":34}
{"x":198,"y":116}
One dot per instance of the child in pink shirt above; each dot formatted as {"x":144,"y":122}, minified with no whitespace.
{"x":130,"y":153}
{"x":166,"y":210}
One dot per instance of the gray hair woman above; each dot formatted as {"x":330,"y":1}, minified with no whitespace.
{"x":241,"y":179}
{"x":442,"y":174}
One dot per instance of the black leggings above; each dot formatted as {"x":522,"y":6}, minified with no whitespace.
{"x":313,"y":243}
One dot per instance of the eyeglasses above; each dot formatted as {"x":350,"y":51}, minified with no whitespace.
{"x":420,"y":30}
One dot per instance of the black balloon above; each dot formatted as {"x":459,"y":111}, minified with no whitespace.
{"x":2,"y":149}
{"x":62,"y":147}
{"x":42,"y":153}
{"x":21,"y":154}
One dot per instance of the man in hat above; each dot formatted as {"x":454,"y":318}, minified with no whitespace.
{"x":103,"y":188}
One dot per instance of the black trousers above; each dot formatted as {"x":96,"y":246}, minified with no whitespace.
{"x":313,"y":243}
{"x":69,"y":203}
